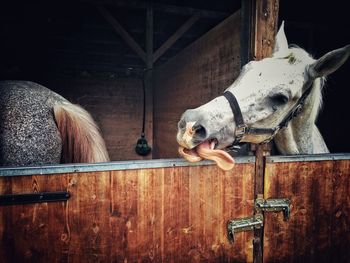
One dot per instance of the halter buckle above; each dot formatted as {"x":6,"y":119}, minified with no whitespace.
{"x":240,"y":130}
{"x":273,"y":134}
{"x":297,"y":110}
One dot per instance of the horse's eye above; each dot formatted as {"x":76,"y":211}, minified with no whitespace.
{"x":279,"y":99}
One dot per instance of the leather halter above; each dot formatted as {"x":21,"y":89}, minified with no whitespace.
{"x":242,"y":129}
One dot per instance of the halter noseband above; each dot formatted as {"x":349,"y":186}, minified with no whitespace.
{"x":243,"y":130}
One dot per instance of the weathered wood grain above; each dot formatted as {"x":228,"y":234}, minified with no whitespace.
{"x":180,"y":214}
{"x":26,"y":225}
{"x":5,"y":217}
{"x":174,"y":214}
{"x":265,"y":28}
{"x":318,"y":227}
{"x":88,"y":217}
{"x":58,"y":216}
{"x":340,"y":213}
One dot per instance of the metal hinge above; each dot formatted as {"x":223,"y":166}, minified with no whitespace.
{"x":257,"y":221}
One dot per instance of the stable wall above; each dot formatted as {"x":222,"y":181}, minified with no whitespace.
{"x":116,"y":106}
{"x":199,"y":73}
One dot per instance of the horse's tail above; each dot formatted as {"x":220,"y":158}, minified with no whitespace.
{"x":81,"y":138}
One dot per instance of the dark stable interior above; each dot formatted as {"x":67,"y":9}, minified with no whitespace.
{"x":46,"y":41}
{"x":319,"y":27}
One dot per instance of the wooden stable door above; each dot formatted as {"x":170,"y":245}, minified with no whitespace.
{"x":304,"y":212}
{"x":173,"y":213}
{"x":319,"y":223}
{"x":146,"y":212}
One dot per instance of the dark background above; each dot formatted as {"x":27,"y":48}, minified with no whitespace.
{"x":319,"y":27}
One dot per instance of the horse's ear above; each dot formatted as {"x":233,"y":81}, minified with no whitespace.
{"x":329,"y":62}
{"x":281,"y":43}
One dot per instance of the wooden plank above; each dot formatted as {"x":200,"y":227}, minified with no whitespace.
{"x":340,"y":212}
{"x":122,"y":32}
{"x":148,"y":78}
{"x":124,"y":215}
{"x":147,"y":231}
{"x":89,"y":210}
{"x":187,"y":11}
{"x":265,"y":27}
{"x":260,"y":152}
{"x":238,"y":201}
{"x":149,"y":35}
{"x":246,"y":32}
{"x":5,"y":221}
{"x":317,"y":229}
{"x":58,"y":218}
{"x":173,"y":38}
{"x":176,"y":218}
{"x":166,"y":8}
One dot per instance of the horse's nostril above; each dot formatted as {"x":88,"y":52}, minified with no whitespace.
{"x":181,"y":124}
{"x":199,"y":130}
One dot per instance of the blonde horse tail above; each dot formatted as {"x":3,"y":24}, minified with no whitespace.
{"x":81,"y":138}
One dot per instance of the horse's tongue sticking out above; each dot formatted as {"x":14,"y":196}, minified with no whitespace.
{"x":206,"y":151}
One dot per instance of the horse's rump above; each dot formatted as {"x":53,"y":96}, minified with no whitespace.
{"x":38,"y":126}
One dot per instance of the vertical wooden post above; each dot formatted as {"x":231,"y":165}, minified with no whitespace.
{"x":247,"y":30}
{"x":149,"y":75}
{"x":263,"y":21}
{"x":266,"y":19}
{"x":260,"y":152}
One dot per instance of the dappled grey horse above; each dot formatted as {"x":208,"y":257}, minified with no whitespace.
{"x":38,"y":126}
{"x":275,"y":98}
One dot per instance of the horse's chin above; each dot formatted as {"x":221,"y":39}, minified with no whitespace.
{"x":206,"y":150}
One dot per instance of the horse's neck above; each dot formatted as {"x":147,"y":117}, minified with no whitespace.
{"x":302,"y":136}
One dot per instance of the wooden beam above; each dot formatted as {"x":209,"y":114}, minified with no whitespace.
{"x":121,"y":31}
{"x":76,"y":51}
{"x":148,"y":107}
{"x":149,"y":35}
{"x":185,"y":11}
{"x":264,"y":27}
{"x":247,"y":26}
{"x":171,"y":40}
{"x":165,"y":8}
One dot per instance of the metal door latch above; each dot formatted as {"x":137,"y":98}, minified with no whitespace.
{"x":274,"y":205}
{"x":244,"y":224}
{"x":257,"y":221}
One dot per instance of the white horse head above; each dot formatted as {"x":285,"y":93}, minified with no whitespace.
{"x":266,"y":91}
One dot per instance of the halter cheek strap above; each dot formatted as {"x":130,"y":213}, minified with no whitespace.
{"x":267,"y":134}
{"x":242,"y":129}
{"x":237,"y":114}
